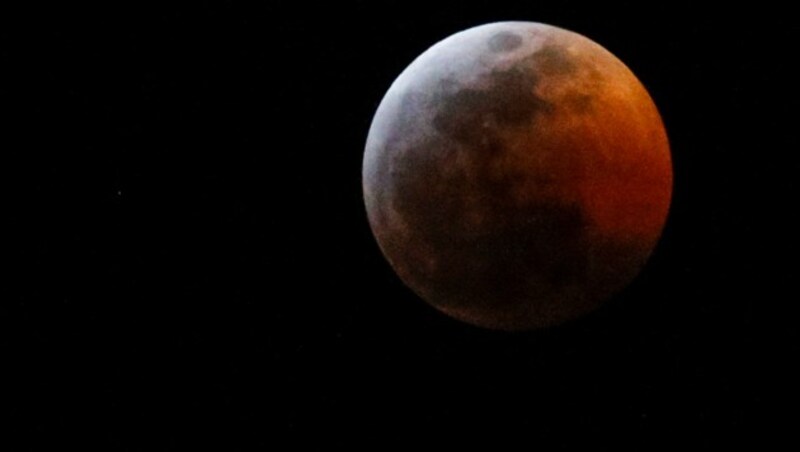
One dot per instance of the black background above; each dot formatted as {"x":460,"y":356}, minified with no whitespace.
{"x":191,"y":265}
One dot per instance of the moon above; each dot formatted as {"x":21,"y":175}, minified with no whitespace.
{"x":517,"y":176}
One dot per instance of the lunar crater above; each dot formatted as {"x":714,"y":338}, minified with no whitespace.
{"x":505,"y":42}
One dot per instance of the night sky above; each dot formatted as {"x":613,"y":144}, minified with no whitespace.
{"x":189,"y":262}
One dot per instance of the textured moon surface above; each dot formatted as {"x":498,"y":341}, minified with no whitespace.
{"x":517,"y":175}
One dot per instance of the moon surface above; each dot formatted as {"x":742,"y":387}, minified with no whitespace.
{"x":517,"y":175}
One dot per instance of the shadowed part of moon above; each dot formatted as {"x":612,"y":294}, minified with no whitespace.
{"x":489,"y":193}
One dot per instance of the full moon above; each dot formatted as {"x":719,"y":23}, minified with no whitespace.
{"x":517,"y":176}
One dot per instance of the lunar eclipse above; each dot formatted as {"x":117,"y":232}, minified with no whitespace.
{"x":517,"y":176}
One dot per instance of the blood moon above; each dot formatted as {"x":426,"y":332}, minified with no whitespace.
{"x":517,"y":175}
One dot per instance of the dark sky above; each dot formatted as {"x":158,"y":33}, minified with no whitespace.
{"x":191,"y":264}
